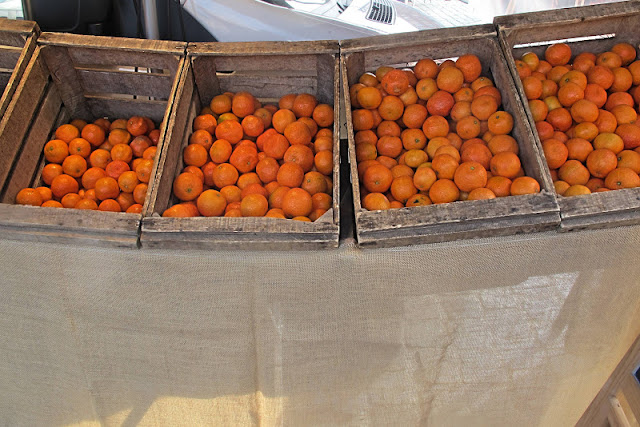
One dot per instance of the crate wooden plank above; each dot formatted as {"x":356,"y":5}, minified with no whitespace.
{"x":111,"y":106}
{"x":17,"y":120}
{"x":201,"y":81}
{"x":143,"y":84}
{"x":9,"y":56}
{"x":458,"y":220}
{"x":52,"y":92}
{"x":29,"y":158}
{"x":596,"y":28}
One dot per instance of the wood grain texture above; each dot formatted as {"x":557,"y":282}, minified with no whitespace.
{"x":263,"y":48}
{"x":142,"y":84}
{"x":29,"y":158}
{"x":460,"y":220}
{"x":596,"y":210}
{"x":19,"y":115}
{"x":111,"y":106}
{"x":27,"y":48}
{"x":251,"y":74}
{"x":622,"y":376}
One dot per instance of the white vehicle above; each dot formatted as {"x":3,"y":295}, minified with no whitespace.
{"x":287,"y":20}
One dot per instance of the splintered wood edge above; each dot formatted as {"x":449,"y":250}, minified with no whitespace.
{"x":566,"y":16}
{"x":263,"y":48}
{"x":416,"y":38}
{"x":102,"y":42}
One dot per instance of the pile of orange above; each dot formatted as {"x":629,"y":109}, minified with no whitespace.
{"x":248,"y":160}
{"x":434,"y":134}
{"x":101,"y":165}
{"x":585,"y":116}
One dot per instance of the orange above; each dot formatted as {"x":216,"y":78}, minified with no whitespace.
{"x":395,"y":82}
{"x":314,"y":182}
{"x":501,"y":122}
{"x":556,"y":73}
{"x":136,"y":208}
{"x":569,"y":94}
{"x":74,"y":165}
{"x":601,"y":161}
{"x":231,"y":193}
{"x":424,"y":178}
{"x":70,"y":200}
{"x":444,"y":166}
{"x":389,"y":146}
{"x":267,"y":169}
{"x":206,"y":122}
{"x":67,"y":133}
{"x":86,"y":204}
{"x":505,"y":164}
{"x":425,"y":68}
{"x":51,"y":204}
{"x":45,"y":193}
{"x":107,"y":188}
{"x":584,"y":62}
{"x":426,"y":88}
{"x":127,"y":181}
{"x":79,"y":123}
{"x":187,"y":186}
{"x":29,"y":196}
{"x":440,"y":103}
{"x":500,"y":143}
{"x":63,"y":184}
{"x":244,"y":158}
{"x":594,"y":184}
{"x":601,"y":75}
{"x":369,"y":97}
{"x":481,"y":194}
{"x":211,"y":203}
{"x":375,"y":202}
{"x":323,"y":115}
{"x":400,"y":170}
{"x":584,"y":111}
{"x":524,"y":185}
{"x":304,"y":104}
{"x":500,"y":185}
{"x":477,"y":153}
{"x":145,"y":168}
{"x":460,"y":110}
{"x":435,"y":126}
{"x":574,"y":76}
{"x":444,"y":191}
{"x":531,"y":59}
{"x":560,"y":187}
{"x":377,"y":178}
{"x":301,"y":155}
{"x":523,"y":69}
{"x":622,"y":80}
{"x":629,"y":159}
{"x":56,"y":150}
{"x":254,"y":205}
{"x":626,"y":52}
{"x":402,"y":188}
{"x":296,"y":202}
{"x":630,"y":135}
{"x":618,"y":98}
{"x":609,"y":59}
{"x":290,"y":175}
{"x":243,"y":104}
{"x":122,"y":152}
{"x":230,"y":130}
{"x":414,"y":116}
{"x":418,"y":200}
{"x":573,"y":172}
{"x":412,"y":139}
{"x":450,"y":79}
{"x":634,"y":69}
{"x":595,"y":94}
{"x":576,"y":190}
{"x":201,"y":137}
{"x":436,"y":143}
{"x":194,"y":155}
{"x":560,"y":119}
{"x":539,"y":109}
{"x":116,"y":168}
{"x":468,"y":127}
{"x":609,"y":140}
{"x":470,"y":175}
{"x":624,"y":114}
{"x":413,"y":158}
{"x":606,"y":122}
{"x":100,"y":158}
{"x":94,"y":134}
{"x":50,"y":171}
{"x":470,"y":66}
{"x":140,"y":192}
{"x":577,"y":149}
{"x":323,"y":161}
{"x":532,"y":87}
{"x":484,"y":106}
{"x":622,"y":178}
{"x":391,"y":108}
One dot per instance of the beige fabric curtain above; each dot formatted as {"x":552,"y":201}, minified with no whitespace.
{"x":508,"y":331}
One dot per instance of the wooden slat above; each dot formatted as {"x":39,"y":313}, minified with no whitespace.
{"x":12,"y":83}
{"x":272,"y":48}
{"x":266,"y":87}
{"x":178,"y":129}
{"x":39,"y":133}
{"x":66,"y":79}
{"x":111,"y":106}
{"x":129,"y":46}
{"x":94,"y":228}
{"x":206,"y":79}
{"x":274,"y":63}
{"x":9,"y":58}
{"x":144,"y":84}
{"x":596,"y":412}
{"x":19,"y":115}
{"x":15,"y":26}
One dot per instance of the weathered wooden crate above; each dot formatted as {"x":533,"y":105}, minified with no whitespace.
{"x":268,"y":71}
{"x":17,"y":43}
{"x":458,"y":220}
{"x":74,"y":76}
{"x":597,"y":29}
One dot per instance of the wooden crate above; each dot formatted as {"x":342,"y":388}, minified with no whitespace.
{"x":17,"y":43}
{"x":603,"y":26}
{"x":268,"y":71}
{"x":74,"y":76}
{"x":458,"y":220}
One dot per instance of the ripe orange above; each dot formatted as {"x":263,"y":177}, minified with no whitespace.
{"x":470,"y":175}
{"x":524,"y":185}
{"x":622,"y":178}
{"x":444,"y":191}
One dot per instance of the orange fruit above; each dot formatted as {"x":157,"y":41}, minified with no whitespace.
{"x":560,"y":187}
{"x":606,"y":122}
{"x":501,"y":122}
{"x":594,"y":184}
{"x":444,"y":191}
{"x":230,"y":130}
{"x":435,"y":126}
{"x":395,"y":82}
{"x":201,"y":137}
{"x":304,"y":104}
{"x":500,"y":143}
{"x":56,"y":150}
{"x":481,"y":194}
{"x":558,"y":54}
{"x":569,"y":94}
{"x":630,"y":135}
{"x":609,"y":59}
{"x":297,"y":202}
{"x":254,"y":205}
{"x":626,"y":52}
{"x":145,"y":168}
{"x":194,"y":155}
{"x":622,"y":80}
{"x":524,"y":185}
{"x":573,"y":172}
{"x":424,"y":178}
{"x":74,"y":165}
{"x":444,"y":166}
{"x":187,"y":186}
{"x":500,"y":186}
{"x":109,"y":205}
{"x":629,"y":159}
{"x":440,"y":103}
{"x":505,"y":164}
{"x":622,"y":178}
{"x":107,"y":188}
{"x":375,"y":202}
{"x":617,"y":98}
{"x":86,"y":204}
{"x":70,"y":200}
{"x":576,"y":190}
{"x":140,"y":193}
{"x":369,"y":97}
{"x":301,"y":155}
{"x":418,"y":200}
{"x":584,"y":111}
{"x":469,"y":176}
{"x":63,"y":184}
{"x":426,"y":88}
{"x":323,"y":161}
{"x":80,"y":147}
{"x":67,"y":133}
{"x":450,"y":79}
{"x":577,"y":149}
{"x":477,"y":153}
{"x":600,"y":75}
{"x":539,"y":109}
{"x":243,"y":104}
{"x":323,"y":115}
{"x":211,"y":203}
{"x":389,"y":146}
{"x":468,"y":127}
{"x":531,"y":59}
{"x":29,"y":196}
{"x":220,"y":104}
{"x":601,"y":161}
{"x":314,"y":182}
{"x":611,"y":141}
{"x":290,"y":175}
{"x":425,"y":68}
{"x":595,"y":94}
{"x":414,"y":116}
{"x":560,"y":119}
{"x":470,"y":67}
{"x":624,"y":114}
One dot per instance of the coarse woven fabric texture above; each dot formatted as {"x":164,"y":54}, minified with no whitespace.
{"x":510,"y":331}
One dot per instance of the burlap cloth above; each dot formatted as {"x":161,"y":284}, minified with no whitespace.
{"x":513,"y":331}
